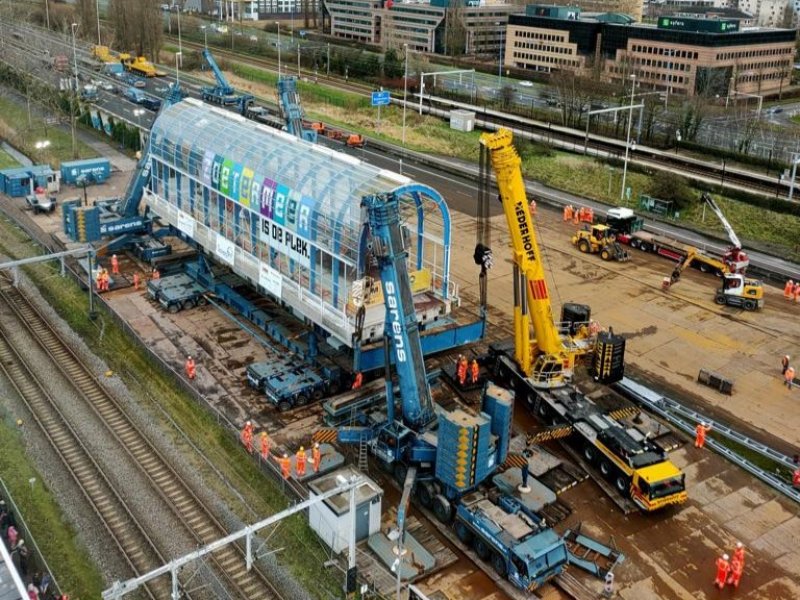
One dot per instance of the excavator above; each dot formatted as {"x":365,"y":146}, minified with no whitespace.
{"x":548,"y":358}
{"x":736,"y":290}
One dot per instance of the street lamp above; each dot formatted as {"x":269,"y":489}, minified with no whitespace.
{"x":47,"y":13}
{"x":73,"y":27}
{"x":677,"y":140}
{"x":405,"y":92}
{"x":278,"y":25}
{"x":138,"y":112}
{"x":42,"y":144}
{"x":97,"y":6}
{"x":180,"y":44}
{"x":628,"y":138}
{"x":205,"y":36}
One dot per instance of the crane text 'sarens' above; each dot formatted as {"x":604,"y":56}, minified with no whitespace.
{"x":393,"y":308}
{"x":524,"y":232}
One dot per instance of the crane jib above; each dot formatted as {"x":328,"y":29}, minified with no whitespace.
{"x":392,"y":306}
{"x":524,"y":231}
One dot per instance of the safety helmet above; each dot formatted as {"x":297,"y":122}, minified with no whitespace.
{"x":248,"y":423}
{"x":316,"y":444}
{"x":787,"y":357}
{"x":302,"y":449}
{"x":114,"y":256}
{"x":704,"y":424}
{"x":738,"y":544}
{"x":263,"y":434}
{"x":725,"y":557}
{"x":190,"y":358}
{"x":285,"y":455}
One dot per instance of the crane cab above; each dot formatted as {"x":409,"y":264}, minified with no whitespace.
{"x":737,"y":290}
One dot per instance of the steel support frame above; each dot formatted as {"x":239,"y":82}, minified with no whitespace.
{"x":121,"y":588}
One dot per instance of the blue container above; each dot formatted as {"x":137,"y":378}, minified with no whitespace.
{"x":95,"y":170}
{"x":16,"y":182}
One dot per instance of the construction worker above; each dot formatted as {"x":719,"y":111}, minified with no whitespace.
{"x":738,"y":553}
{"x":156,"y":274}
{"x":358,"y":380}
{"x":700,"y":434}
{"x":735,"y":573}
{"x":576,"y":215}
{"x":264,"y":446}
{"x":788,"y":290}
{"x":191,"y":368}
{"x":796,"y":292}
{"x":114,"y":264}
{"x":98,"y":280}
{"x":796,"y":478}
{"x":785,"y":363}
{"x":532,"y":206}
{"x":300,"y":462}
{"x":286,"y":465}
{"x":788,"y":376}
{"x":105,"y":279}
{"x":136,"y":280}
{"x":316,"y":457}
{"x":723,"y":568}
{"x":247,"y":437}
{"x":568,"y":212}
{"x":474,"y":371}
{"x":461,"y":371}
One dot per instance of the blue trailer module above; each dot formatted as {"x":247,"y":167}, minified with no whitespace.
{"x":21,"y":181}
{"x":94,"y":170}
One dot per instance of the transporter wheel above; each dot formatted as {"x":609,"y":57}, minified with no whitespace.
{"x":463,"y":533}
{"x":426,"y":493}
{"x":704,"y":268}
{"x":173,"y":308}
{"x":442,"y":509}
{"x":720,"y":299}
{"x":605,"y":468}
{"x":749,"y":305}
{"x":584,"y":246}
{"x":498,"y":564}
{"x":635,"y":243}
{"x":201,"y":301}
{"x":189,"y":304}
{"x":316,"y":395}
{"x":622,"y":483}
{"x":590,"y":453}
{"x":482,"y":549}
{"x":284,"y":405}
{"x":645,"y":247}
{"x":301,"y":400}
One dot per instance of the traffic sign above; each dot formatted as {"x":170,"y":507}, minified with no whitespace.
{"x":381,"y":98}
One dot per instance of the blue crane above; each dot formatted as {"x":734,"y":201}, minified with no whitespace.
{"x":292,"y":111}
{"x":223,"y":93}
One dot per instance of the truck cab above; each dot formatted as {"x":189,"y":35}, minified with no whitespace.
{"x":658,"y":486}
{"x":737,"y":290}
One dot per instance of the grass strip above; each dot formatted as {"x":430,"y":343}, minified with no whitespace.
{"x":7,"y":161}
{"x":301,"y":552}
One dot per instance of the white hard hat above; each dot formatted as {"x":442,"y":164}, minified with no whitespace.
{"x":248,"y":423}
{"x":738,"y":544}
{"x":725,"y":557}
{"x":704,"y":424}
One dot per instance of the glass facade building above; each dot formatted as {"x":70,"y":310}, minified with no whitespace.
{"x":286,"y":215}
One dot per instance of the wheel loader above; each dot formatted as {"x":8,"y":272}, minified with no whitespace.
{"x":599,"y":239}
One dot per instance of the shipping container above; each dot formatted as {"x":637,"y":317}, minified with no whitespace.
{"x":95,"y":170}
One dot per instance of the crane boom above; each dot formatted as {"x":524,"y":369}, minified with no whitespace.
{"x":547,"y":360}
{"x":728,"y":229}
{"x":292,"y":111}
{"x":402,"y":329}
{"x":223,"y":86}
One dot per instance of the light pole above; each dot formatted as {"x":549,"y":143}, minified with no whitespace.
{"x":138,"y":112}
{"x":205,"y":36}
{"x":628,"y":139}
{"x":42,"y":144}
{"x":97,"y":7}
{"x":47,"y":13}
{"x":180,"y":44}
{"x":278,"y":25}
{"x":405,"y":92}
{"x":72,"y":99}
{"x":677,"y":140}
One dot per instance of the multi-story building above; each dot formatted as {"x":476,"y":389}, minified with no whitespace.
{"x":434,"y":26}
{"x":689,"y":56}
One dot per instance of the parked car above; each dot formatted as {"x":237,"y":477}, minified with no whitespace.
{"x":526,"y":83}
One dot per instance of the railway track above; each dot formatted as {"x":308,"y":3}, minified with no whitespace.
{"x":196,"y":518}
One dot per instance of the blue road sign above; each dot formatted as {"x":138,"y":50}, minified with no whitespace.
{"x":380,"y":99}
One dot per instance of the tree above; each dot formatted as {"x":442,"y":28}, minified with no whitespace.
{"x":87,"y":17}
{"x":506,"y":96}
{"x":455,"y":34}
{"x":669,"y":186}
{"x":392,"y":65}
{"x":137,"y":26}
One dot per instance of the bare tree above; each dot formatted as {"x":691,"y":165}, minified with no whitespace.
{"x":137,"y":26}
{"x":455,"y":33}
{"x":87,"y":15}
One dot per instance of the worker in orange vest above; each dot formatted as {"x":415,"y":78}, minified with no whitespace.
{"x":136,"y":280}
{"x":316,"y":457}
{"x":796,"y":291}
{"x":286,"y":465}
{"x":300,"y":462}
{"x":106,"y":279}
{"x":700,"y":434}
{"x":785,"y":363}
{"x":461,"y":370}
{"x":98,"y":280}
{"x":114,"y":264}
{"x":264,"y":445}
{"x":568,"y":212}
{"x":358,"y":380}
{"x":735,"y":573}
{"x":796,"y":478}
{"x":738,"y":553}
{"x":788,"y":290}
{"x":576,"y":215}
{"x":532,"y":207}
{"x":247,"y":437}
{"x":474,"y":371}
{"x":788,"y":377}
{"x":191,"y":368}
{"x":156,"y":274}
{"x":723,"y":568}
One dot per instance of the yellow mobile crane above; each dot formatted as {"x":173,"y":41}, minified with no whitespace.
{"x":548,"y":360}
{"x":638,"y":467}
